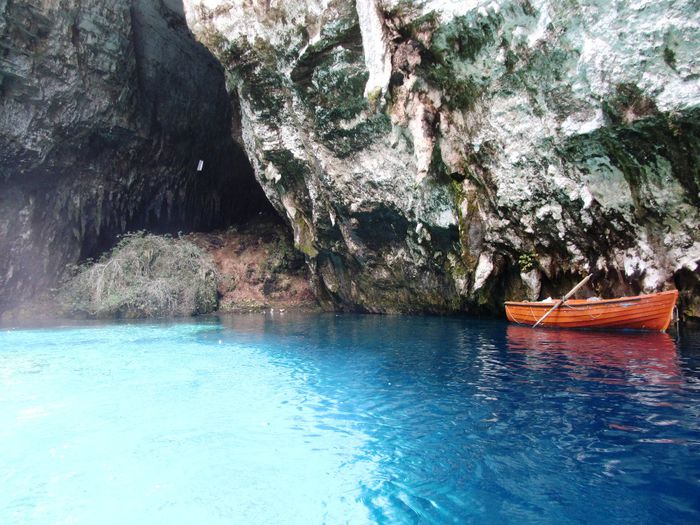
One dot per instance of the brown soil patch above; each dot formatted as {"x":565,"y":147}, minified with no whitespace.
{"x":259,"y":267}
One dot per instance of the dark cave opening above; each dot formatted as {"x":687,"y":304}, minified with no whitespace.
{"x":193,"y":176}
{"x":115,"y":148}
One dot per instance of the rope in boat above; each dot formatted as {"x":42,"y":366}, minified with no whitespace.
{"x":533,"y":314}
{"x":593,"y":318}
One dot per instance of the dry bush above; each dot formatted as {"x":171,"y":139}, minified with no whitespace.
{"x":143,"y":276}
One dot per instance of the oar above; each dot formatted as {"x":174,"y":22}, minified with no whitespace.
{"x":563,"y":300}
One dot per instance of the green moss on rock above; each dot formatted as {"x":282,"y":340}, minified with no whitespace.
{"x":670,"y":57}
{"x":438,"y":168}
{"x":295,"y":170}
{"x":448,"y":62}
{"x":265,"y":89}
{"x":304,"y":236}
{"x":343,"y":142}
{"x":285,"y":161}
{"x":527,"y":261}
{"x":330,"y":79}
{"x":640,"y":149}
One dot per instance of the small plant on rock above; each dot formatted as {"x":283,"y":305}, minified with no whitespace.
{"x":374,"y":99}
{"x":527,"y":262}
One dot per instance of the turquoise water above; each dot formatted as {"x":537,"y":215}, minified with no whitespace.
{"x":347,"y":419}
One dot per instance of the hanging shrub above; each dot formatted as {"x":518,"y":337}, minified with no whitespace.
{"x":143,"y":276}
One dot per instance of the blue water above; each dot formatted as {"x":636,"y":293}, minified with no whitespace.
{"x":347,"y":419}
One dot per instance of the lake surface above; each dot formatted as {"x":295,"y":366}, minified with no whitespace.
{"x":347,"y":419}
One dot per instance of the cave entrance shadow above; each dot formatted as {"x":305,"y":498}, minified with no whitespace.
{"x":176,"y":6}
{"x":214,"y":173}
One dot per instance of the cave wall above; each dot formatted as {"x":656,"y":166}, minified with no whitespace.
{"x":445,"y":156}
{"x":106,"y":108}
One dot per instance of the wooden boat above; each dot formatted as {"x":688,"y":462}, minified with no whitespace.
{"x":641,"y":312}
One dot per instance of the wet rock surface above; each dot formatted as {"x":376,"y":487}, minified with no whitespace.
{"x":445,"y":156}
{"x":106,"y":109}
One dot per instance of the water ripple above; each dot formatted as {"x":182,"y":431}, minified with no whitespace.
{"x":347,"y":419}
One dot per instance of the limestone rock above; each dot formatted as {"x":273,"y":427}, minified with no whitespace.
{"x":564,"y":131}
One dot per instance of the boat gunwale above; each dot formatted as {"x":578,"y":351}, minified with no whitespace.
{"x":584,"y":303}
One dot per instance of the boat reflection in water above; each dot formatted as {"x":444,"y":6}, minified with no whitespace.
{"x":608,"y":357}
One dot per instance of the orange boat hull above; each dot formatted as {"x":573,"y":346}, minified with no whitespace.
{"x":641,"y":312}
